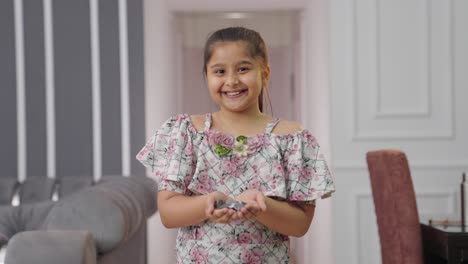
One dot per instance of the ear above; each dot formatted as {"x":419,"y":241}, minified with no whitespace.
{"x":265,"y":74}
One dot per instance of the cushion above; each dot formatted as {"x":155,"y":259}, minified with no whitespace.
{"x":14,"y":219}
{"x":7,"y":224}
{"x":36,"y":188}
{"x":69,"y":185}
{"x":51,"y":247}
{"x":7,"y":189}
{"x":92,"y":211}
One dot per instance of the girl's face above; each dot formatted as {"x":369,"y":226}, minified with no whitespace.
{"x":234,"y":78}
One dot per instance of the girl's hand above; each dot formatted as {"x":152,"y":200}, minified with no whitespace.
{"x":255,"y":205}
{"x":223,"y":216}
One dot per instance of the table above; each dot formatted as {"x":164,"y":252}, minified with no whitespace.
{"x":445,"y":244}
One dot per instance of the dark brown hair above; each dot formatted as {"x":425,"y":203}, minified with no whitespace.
{"x":255,"y":46}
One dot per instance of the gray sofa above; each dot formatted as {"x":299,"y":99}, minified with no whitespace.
{"x":103,"y":223}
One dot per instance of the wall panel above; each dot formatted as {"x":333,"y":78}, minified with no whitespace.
{"x":8,"y":139}
{"x":35,"y":88}
{"x":58,"y":91}
{"x":73,"y":108}
{"x":110,"y":86}
{"x":136,"y":82}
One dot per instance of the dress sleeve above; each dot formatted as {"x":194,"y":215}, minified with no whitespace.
{"x":306,"y":171}
{"x":169,"y":155}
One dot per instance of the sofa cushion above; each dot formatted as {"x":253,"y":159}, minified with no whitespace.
{"x":14,"y":219}
{"x":51,"y":247}
{"x":92,"y":211}
{"x":7,"y":224}
{"x":70,"y":184}
{"x":36,"y":188}
{"x":31,"y":216}
{"x":7,"y":189}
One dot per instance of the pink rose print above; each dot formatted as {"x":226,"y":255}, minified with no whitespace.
{"x":249,"y":257}
{"x":255,"y":184}
{"x":256,"y":143}
{"x":298,"y":196}
{"x":199,"y":255}
{"x":258,"y":252}
{"x":257,"y":237}
{"x":238,"y":160}
{"x":199,"y":233}
{"x":205,"y":184}
{"x":277,"y":168}
{"x":254,"y":256}
{"x":147,"y":149}
{"x":311,"y":192}
{"x":188,"y":149}
{"x":171,"y":148}
{"x":232,"y":167}
{"x":203,"y":177}
{"x":244,"y":238}
{"x":229,"y":166}
{"x":305,"y":174}
{"x":310,"y":139}
{"x":222,"y":139}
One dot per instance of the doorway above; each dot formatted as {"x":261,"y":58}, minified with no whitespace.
{"x":163,"y":94}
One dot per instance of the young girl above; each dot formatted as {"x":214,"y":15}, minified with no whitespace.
{"x":239,"y":153}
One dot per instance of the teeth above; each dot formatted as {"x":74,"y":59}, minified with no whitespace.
{"x":232,"y":93}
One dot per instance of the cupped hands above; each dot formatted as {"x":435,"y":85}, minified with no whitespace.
{"x":254,"y":205}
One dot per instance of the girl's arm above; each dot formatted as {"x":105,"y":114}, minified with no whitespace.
{"x":178,"y":210}
{"x":281,"y":216}
{"x":287,"y":218}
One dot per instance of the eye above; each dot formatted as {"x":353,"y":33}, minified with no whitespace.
{"x":244,"y":69}
{"x":219,"y":72}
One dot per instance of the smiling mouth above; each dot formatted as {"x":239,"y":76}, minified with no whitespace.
{"x":234,"y":93}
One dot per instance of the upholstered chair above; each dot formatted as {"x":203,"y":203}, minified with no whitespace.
{"x":395,"y":207}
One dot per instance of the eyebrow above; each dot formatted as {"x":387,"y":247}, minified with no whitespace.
{"x":240,"y":63}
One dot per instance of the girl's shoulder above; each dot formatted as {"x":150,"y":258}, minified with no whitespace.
{"x":287,"y":127}
{"x":283,"y":127}
{"x":178,"y":123}
{"x":197,"y":121}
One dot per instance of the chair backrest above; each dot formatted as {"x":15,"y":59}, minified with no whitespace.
{"x":395,"y":207}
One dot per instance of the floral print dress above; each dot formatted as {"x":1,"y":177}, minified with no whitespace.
{"x":285,"y":167}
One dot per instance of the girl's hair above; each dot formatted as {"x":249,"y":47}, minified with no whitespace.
{"x":255,"y":45}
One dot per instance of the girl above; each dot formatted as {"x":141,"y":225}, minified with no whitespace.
{"x":238,"y":153}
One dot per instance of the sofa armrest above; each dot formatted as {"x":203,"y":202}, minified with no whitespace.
{"x":92,"y":211}
{"x":51,"y":247}
{"x":112,"y":210}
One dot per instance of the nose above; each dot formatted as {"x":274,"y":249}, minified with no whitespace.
{"x":232,"y":79}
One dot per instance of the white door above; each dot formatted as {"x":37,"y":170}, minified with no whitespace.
{"x":399,"y":79}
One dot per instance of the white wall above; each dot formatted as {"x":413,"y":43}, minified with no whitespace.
{"x":159,"y":107}
{"x":398,"y":81}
